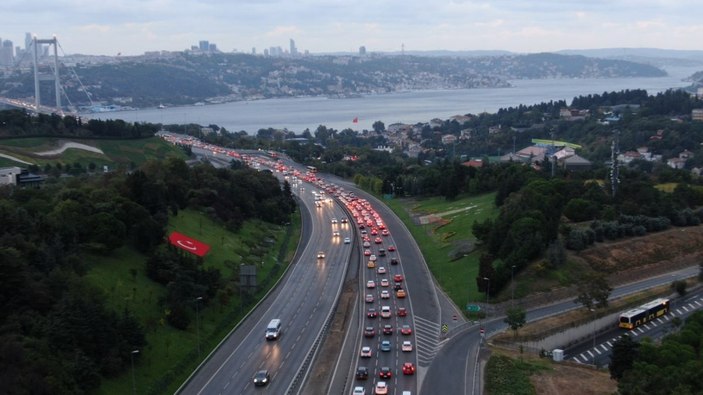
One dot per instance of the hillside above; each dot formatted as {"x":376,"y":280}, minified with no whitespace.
{"x":88,"y":153}
{"x":180,"y":78}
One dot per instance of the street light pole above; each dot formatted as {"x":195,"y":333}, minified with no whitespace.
{"x":134,"y":380}
{"x":488,"y":289}
{"x":197,"y":320}
{"x":512,"y":283}
{"x":594,"y":335}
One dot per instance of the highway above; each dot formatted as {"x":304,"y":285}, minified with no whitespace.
{"x":303,"y":301}
{"x":428,"y":308}
{"x":447,"y":362}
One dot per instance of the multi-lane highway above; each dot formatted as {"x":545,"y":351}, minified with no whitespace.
{"x":303,"y":303}
{"x":305,"y":298}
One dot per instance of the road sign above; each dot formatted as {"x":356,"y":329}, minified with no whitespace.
{"x":445,"y":328}
{"x":473,"y":307}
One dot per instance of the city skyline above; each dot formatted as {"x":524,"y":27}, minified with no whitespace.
{"x":134,"y":27}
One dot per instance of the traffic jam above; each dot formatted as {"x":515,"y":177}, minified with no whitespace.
{"x":387,"y":351}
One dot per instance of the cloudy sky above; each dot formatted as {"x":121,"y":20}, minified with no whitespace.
{"x":130,"y":27}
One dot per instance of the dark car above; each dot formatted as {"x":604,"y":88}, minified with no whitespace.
{"x":394,"y":261}
{"x":362,"y":373}
{"x":369,"y":332}
{"x":262,"y":377}
{"x":397,"y":286}
{"x":387,"y":329}
{"x":385,"y":373}
{"x":381,"y":252}
{"x":402,"y":312}
{"x":372,"y":313}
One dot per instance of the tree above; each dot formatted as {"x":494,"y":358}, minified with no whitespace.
{"x":379,"y":127}
{"x":679,"y":286}
{"x":515,"y":318}
{"x":623,"y":357}
{"x":593,"y":291}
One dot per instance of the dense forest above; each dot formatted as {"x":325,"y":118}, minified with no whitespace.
{"x":56,"y":333}
{"x":20,"y":123}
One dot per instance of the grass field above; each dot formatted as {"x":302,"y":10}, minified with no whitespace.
{"x":505,"y":375}
{"x":439,"y":240}
{"x":117,"y":153}
{"x":171,"y":355}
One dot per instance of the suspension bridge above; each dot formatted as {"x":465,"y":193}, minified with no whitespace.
{"x":40,"y":75}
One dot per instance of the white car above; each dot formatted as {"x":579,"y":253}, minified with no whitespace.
{"x":372,"y":257}
{"x":347,"y":240}
{"x":407,"y":346}
{"x":385,"y":312}
{"x":381,"y":388}
{"x":359,"y":391}
{"x":370,"y":284}
{"x":381,"y":270}
{"x":385,"y":294}
{"x":365,"y":352}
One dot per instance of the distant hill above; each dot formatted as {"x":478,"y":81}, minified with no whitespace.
{"x":653,"y":56}
{"x":179,"y":78}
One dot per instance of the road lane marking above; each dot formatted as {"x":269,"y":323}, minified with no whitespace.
{"x":597,"y":350}
{"x":590,"y":353}
{"x":604,"y":347}
{"x":609,"y":344}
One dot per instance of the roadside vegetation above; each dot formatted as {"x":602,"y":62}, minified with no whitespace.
{"x":88,"y":277}
{"x":446,"y":242}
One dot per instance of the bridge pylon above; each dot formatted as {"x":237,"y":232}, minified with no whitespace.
{"x":47,"y":76}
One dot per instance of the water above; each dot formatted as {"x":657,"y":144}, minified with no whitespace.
{"x":297,"y":114}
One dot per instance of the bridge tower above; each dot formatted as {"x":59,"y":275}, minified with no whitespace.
{"x":46,"y":77}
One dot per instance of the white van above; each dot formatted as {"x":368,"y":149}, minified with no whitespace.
{"x":273,"y":330}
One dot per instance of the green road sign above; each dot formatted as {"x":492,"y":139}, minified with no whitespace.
{"x":473,"y":307}
{"x":445,"y":328}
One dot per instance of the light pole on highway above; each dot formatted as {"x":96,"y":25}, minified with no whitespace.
{"x":134,"y":380}
{"x":512,"y":283}
{"x":197,"y":320}
{"x":594,"y":335}
{"x":488,"y":289}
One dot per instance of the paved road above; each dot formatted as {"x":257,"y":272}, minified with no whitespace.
{"x":600,"y":347}
{"x":455,"y":369}
{"x":303,"y":301}
{"x":429,"y":308}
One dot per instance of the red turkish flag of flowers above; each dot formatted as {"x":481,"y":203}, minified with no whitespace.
{"x":188,"y":244}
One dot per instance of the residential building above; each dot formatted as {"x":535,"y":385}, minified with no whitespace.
{"x":697,"y":114}
{"x":449,"y":139}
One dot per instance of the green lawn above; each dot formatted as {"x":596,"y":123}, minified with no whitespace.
{"x":116,"y":152}
{"x":172,"y":355}
{"x":439,"y":240}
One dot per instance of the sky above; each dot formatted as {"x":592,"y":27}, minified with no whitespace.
{"x":131,"y":27}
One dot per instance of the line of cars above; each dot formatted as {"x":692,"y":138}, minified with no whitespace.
{"x":384,"y":296}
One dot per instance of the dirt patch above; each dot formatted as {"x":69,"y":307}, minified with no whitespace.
{"x":573,"y":380}
{"x":565,"y":377}
{"x":668,"y":248}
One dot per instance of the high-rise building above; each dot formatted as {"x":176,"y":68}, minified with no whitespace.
{"x":293,"y":49}
{"x":6,"y":53}
{"x":362,"y":50}
{"x":27,"y":41}
{"x":204,"y":45}
{"x":253,"y":50}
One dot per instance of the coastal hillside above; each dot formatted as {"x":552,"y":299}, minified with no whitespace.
{"x":178,"y":78}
